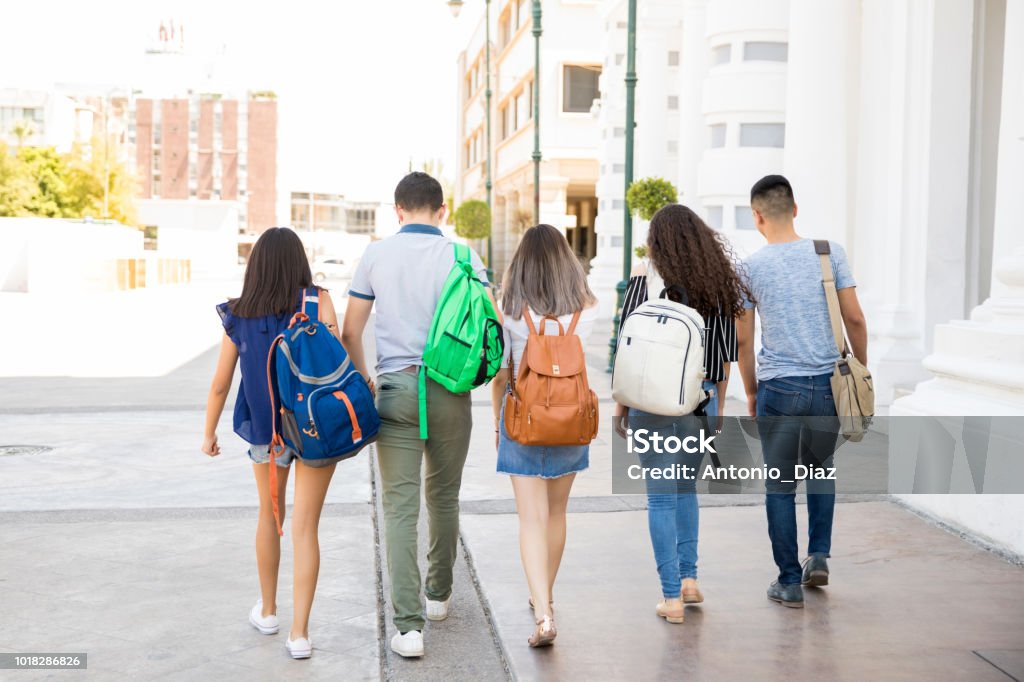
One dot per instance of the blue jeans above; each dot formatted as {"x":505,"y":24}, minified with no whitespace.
{"x":673,"y":514}
{"x":787,"y":442}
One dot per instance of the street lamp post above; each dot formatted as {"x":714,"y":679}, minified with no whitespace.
{"x":456,"y":7}
{"x":627,"y":220}
{"x":536,"y":110}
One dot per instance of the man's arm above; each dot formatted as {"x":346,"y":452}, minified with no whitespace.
{"x":356,"y":316}
{"x":745,"y":341}
{"x":856,"y":325}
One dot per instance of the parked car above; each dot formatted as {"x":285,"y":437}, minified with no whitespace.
{"x":331,"y":268}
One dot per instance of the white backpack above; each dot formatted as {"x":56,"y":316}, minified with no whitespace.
{"x":659,"y":361}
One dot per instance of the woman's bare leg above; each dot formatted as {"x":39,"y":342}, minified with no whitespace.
{"x":532,"y":507}
{"x":268,"y":542}
{"x":310,"y":490}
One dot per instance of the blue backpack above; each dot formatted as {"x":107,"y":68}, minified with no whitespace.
{"x":323,"y":408}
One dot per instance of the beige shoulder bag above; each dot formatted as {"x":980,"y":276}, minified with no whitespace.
{"x":852,"y":388}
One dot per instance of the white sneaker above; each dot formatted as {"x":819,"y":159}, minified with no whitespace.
{"x":299,"y":648}
{"x":409,"y":645}
{"x":268,"y":625}
{"x":438,"y":610}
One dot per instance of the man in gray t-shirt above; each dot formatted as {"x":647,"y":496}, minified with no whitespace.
{"x":790,"y":392}
{"x":405,"y":275}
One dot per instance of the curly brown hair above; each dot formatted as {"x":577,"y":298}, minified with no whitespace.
{"x":688,"y":253}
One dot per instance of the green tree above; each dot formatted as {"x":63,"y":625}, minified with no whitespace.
{"x":23,"y":130}
{"x":38,"y":181}
{"x":647,"y":195}
{"x":473,"y":220}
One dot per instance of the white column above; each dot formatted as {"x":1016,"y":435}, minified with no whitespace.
{"x":693,"y":69}
{"x":908,"y":234}
{"x":820,"y":112}
{"x":979,"y":363}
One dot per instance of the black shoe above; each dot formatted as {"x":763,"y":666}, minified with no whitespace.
{"x":815,"y":571}
{"x":787,"y":595}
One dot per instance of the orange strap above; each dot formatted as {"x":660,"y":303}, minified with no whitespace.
{"x":276,"y":442}
{"x":357,"y":433}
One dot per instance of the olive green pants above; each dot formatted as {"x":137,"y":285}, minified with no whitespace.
{"x":400,"y":452}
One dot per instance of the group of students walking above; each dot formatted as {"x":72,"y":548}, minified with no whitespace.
{"x":544,"y":412}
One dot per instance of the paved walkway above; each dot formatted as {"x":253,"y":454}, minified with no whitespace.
{"x":126,"y":543}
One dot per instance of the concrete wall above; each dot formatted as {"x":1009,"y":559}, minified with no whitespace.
{"x":205,"y":232}
{"x":49,"y":255}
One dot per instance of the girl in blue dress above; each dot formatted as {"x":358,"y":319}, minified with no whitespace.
{"x":275,"y":278}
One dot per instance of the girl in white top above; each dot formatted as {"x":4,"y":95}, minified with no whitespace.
{"x":546,"y":277}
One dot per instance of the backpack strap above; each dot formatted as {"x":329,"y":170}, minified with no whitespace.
{"x":828,"y":282}
{"x":572,"y":324}
{"x":311,"y":303}
{"x":421,"y":391}
{"x":461,"y":253}
{"x":529,"y":320}
{"x":656,"y":286}
{"x":276,"y":441}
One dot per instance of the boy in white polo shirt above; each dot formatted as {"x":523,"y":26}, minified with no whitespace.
{"x":404,"y":275}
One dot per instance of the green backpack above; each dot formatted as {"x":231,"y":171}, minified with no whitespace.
{"x":466,"y":343}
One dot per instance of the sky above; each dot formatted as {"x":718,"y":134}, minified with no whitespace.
{"x":363,"y":86}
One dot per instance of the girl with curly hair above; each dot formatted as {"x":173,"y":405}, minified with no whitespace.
{"x":686,"y":253}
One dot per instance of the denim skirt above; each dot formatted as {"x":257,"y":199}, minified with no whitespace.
{"x":539,"y":461}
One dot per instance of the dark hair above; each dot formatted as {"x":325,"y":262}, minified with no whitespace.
{"x":275,"y":276}
{"x":545,"y":275}
{"x":772,"y":196}
{"x":418,"y":191}
{"x":688,"y":253}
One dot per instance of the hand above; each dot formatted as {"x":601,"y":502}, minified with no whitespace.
{"x":373,"y":387}
{"x":210,"y":446}
{"x":752,"y":405}
{"x":620,"y":423}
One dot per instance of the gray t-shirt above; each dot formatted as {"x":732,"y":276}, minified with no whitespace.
{"x":796,"y":334}
{"x":405,"y":274}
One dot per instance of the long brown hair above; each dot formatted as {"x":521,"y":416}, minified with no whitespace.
{"x":275,"y":276}
{"x":545,"y":275}
{"x":688,"y":253}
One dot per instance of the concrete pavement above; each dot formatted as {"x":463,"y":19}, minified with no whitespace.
{"x":123,"y":541}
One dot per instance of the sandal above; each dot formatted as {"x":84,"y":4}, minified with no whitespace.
{"x":545,"y":633}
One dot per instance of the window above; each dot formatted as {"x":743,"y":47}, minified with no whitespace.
{"x":618,"y":168}
{"x":618,"y":204}
{"x":619,"y":57}
{"x":765,"y":52}
{"x":621,"y":24}
{"x":619,"y":132}
{"x":672,"y":146}
{"x":519,"y":106}
{"x":762,"y":134}
{"x":721,"y":54}
{"x":505,"y":31}
{"x":579,"y":88}
{"x":714,"y":216}
{"x":673,"y":102}
{"x":717,"y":135}
{"x":508,"y":122}
{"x":673,"y":57}
{"x":465,"y":155}
{"x":744,"y":218}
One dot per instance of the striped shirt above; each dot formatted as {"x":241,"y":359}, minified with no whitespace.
{"x":720,"y":346}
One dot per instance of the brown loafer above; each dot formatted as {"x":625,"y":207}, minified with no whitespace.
{"x":691,"y":593}
{"x":671,"y":610}
{"x":545,"y":633}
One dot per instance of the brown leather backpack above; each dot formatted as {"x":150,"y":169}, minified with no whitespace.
{"x":550,"y":402}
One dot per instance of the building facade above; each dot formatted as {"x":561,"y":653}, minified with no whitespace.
{"x":208,"y":147}
{"x":901,"y":126}
{"x":570,"y":65}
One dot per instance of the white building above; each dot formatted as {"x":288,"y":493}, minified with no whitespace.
{"x":44,"y":119}
{"x":901,"y":126}
{"x":570,"y":63}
